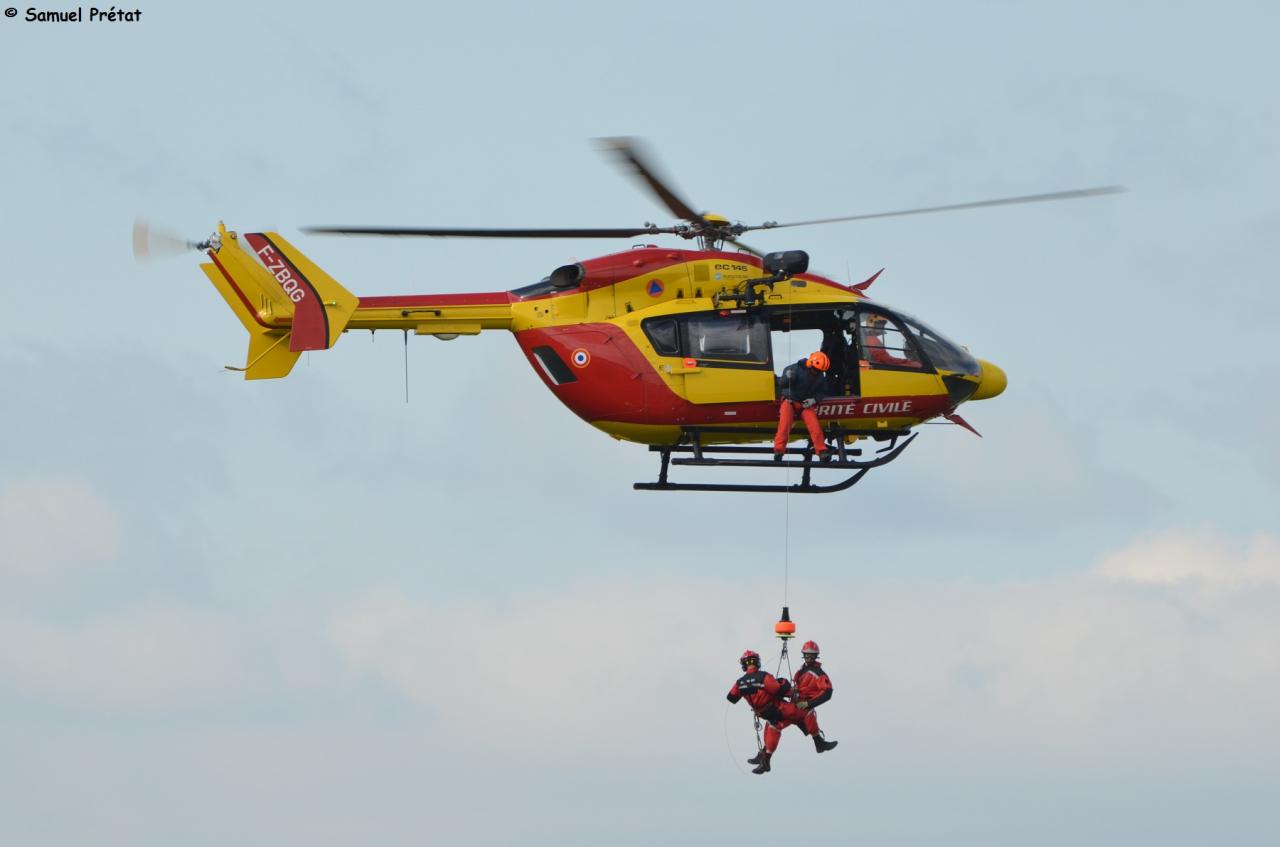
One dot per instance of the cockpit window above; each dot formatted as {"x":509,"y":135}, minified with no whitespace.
{"x":884,"y":344}
{"x":944,"y":354}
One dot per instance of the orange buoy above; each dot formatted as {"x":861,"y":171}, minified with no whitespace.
{"x":784,"y":628}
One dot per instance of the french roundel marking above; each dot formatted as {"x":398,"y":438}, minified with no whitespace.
{"x":655,"y":287}
{"x":581,"y":358}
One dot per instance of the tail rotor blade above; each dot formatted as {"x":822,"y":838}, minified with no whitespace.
{"x":152,"y":243}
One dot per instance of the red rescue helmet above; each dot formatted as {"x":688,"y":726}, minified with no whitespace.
{"x":819,"y":361}
{"x":750,"y":657}
{"x":810,"y":648}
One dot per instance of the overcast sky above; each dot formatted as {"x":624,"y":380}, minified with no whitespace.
{"x":306,"y":612}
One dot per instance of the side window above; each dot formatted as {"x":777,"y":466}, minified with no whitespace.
{"x":883,"y":344}
{"x":664,"y":335}
{"x":735,"y":338}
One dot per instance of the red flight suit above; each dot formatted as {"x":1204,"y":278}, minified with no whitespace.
{"x":813,"y":685}
{"x":877,"y":353}
{"x":801,"y":383}
{"x":765,"y":693}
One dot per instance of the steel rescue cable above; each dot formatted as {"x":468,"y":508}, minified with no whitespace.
{"x":729,"y":744}
{"x":786,"y":543}
{"x":784,"y":629}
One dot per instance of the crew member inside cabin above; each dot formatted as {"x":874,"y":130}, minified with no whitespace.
{"x":812,"y":688}
{"x":766,"y":695}
{"x":842,"y":376}
{"x":804,"y":386}
{"x":880,"y":342}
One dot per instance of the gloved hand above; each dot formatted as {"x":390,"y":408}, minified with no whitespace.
{"x":809,"y":403}
{"x":802,"y":704}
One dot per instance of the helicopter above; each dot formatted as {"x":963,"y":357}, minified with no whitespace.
{"x":673,"y":348}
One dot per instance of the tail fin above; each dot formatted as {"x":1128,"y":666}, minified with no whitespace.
{"x":286,"y":302}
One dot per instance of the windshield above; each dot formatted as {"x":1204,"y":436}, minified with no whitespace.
{"x":943,"y":353}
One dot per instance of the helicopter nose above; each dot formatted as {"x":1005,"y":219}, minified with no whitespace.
{"x":992,"y":383}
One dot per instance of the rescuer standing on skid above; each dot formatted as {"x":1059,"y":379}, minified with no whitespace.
{"x":765,"y":694}
{"x":812,"y":688}
{"x":804,"y":386}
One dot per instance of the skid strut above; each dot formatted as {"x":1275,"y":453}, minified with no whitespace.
{"x":741,"y":456}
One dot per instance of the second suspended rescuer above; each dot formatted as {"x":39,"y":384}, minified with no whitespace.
{"x":804,"y":386}
{"x":766,"y":694}
{"x":811,"y":689}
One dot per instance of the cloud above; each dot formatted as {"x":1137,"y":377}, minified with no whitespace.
{"x":574,"y":671}
{"x":147,"y":659}
{"x":48,"y":525}
{"x":1196,"y":557}
{"x":1105,"y":663}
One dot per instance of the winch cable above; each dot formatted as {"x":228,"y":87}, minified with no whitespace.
{"x":728,"y":744}
{"x":784,"y":629}
{"x":786,"y":543}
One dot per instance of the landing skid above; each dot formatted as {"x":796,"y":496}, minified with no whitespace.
{"x":844,"y":458}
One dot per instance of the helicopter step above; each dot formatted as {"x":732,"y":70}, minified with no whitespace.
{"x":706,"y":456}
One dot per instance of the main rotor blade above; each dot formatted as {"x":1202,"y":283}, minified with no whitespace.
{"x":1003,"y":201}
{"x":628,"y":151}
{"x":489,"y":233}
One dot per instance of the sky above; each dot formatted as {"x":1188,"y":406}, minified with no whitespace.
{"x":307,"y":611}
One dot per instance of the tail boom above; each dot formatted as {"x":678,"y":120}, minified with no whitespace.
{"x":442,"y":315}
{"x":288,"y":304}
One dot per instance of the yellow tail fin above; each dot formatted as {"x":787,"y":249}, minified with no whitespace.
{"x":287,"y":303}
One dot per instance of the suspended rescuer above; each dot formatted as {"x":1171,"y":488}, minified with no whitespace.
{"x":767,"y":697}
{"x":812,"y":688}
{"x":804,"y":385}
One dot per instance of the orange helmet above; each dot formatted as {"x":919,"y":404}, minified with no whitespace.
{"x":818,"y":361}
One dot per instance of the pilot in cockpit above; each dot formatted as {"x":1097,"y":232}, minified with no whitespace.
{"x":875,"y":349}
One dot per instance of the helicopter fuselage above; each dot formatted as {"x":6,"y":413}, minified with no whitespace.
{"x":650,"y":342}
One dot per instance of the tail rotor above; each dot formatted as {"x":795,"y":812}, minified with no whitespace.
{"x":151,"y":242}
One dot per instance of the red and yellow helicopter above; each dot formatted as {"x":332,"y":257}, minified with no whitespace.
{"x":674,"y":348}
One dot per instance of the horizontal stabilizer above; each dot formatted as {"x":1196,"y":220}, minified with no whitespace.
{"x":269,"y":357}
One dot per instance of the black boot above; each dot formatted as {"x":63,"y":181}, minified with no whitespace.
{"x":822,"y":745}
{"x":757,"y":758}
{"x":763,"y":767}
